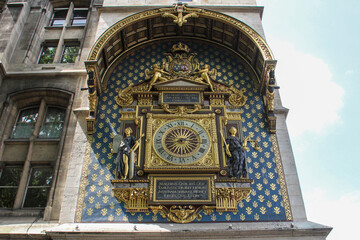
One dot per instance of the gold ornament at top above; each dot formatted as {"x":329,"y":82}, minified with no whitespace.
{"x":180,"y":64}
{"x":180,"y":19}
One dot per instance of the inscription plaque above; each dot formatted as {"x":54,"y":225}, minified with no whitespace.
{"x":182,"y":189}
{"x":181,"y":98}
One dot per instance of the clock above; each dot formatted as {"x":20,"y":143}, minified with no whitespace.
{"x":181,"y":141}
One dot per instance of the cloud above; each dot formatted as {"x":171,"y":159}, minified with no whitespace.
{"x":307,"y":89}
{"x":341,"y":213}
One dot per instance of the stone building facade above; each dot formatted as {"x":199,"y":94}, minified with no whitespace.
{"x":64,"y":65}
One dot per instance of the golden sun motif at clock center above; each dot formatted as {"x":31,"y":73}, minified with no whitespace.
{"x":181,"y":141}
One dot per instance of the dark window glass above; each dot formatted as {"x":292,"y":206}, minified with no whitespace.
{"x":38,"y":187}
{"x":59,"y":17}
{"x":53,"y":124}
{"x":25,"y":124}
{"x":70,"y":53}
{"x":79,"y":17}
{"x":47,"y":55}
{"x":9,"y":181}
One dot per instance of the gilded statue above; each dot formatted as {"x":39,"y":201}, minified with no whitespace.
{"x":235,"y":151}
{"x":203,"y":75}
{"x":124,"y":155}
{"x":157,"y":75}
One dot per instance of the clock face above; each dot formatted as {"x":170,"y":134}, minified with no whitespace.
{"x":181,"y":141}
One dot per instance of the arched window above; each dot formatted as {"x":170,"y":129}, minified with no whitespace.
{"x":34,"y":124}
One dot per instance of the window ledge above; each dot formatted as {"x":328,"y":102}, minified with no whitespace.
{"x":76,"y":27}
{"x":17,"y":140}
{"x":20,"y":212}
{"x":54,"y":27}
{"x":45,"y":140}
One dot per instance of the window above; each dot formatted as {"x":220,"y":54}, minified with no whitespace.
{"x":50,"y":128}
{"x":70,"y":53}
{"x":79,"y":17}
{"x":25,"y":124}
{"x":38,"y":187}
{"x":47,"y":54}
{"x":9,"y":182}
{"x":53,"y":124}
{"x":59,"y":17}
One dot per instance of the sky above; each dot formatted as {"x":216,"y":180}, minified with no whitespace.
{"x":318,"y":71}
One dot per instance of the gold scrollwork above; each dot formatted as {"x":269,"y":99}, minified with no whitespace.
{"x":270,"y":100}
{"x":181,"y":110}
{"x":124,"y":97}
{"x":237,"y":98}
{"x":227,"y":199}
{"x":181,"y":214}
{"x":135,"y":199}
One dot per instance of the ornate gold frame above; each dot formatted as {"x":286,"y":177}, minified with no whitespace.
{"x":154,"y":163}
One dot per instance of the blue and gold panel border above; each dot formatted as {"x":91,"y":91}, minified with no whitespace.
{"x":268,"y":200}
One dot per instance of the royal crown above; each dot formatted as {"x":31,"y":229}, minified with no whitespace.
{"x":180,"y":48}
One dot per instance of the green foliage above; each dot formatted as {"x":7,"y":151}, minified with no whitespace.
{"x":47,"y":55}
{"x":70,"y":54}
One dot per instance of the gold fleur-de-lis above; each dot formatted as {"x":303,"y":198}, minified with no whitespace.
{"x":101,"y":182}
{"x":93,"y":177}
{"x":276,"y":210}
{"x":91,"y":199}
{"x":248,"y":210}
{"x":90,"y":211}
{"x":103,"y":211}
{"x":263,"y":210}
{"x":118,"y":211}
